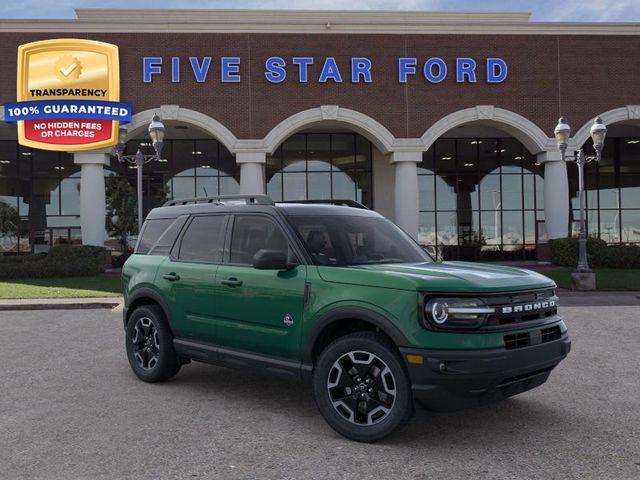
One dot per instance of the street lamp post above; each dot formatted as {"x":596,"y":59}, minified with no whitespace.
{"x":156,"y":133}
{"x":562,"y":133}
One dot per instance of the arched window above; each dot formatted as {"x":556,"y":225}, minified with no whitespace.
{"x":320,"y":166}
{"x":480,"y":198}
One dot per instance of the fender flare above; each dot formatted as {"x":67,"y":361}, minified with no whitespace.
{"x":355,"y":313}
{"x":146,"y":292}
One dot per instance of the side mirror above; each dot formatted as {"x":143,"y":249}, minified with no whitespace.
{"x":271,"y":260}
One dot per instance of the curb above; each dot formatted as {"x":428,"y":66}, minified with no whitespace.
{"x":73,"y":305}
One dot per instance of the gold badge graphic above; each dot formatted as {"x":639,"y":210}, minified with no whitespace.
{"x":66,"y":77}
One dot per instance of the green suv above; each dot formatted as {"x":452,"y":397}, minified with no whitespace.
{"x":337,"y":295}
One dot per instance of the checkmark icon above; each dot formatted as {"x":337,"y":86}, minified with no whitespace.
{"x":66,"y":71}
{"x":68,"y":68}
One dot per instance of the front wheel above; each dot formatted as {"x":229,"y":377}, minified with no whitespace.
{"x":149,"y":345}
{"x":362,"y":388}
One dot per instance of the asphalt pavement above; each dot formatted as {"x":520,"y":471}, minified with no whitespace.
{"x":70,"y":408}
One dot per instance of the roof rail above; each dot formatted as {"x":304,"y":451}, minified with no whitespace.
{"x":222,"y":199}
{"x":344,"y":203}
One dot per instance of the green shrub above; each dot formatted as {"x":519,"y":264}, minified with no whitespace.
{"x":564,"y":252}
{"x":61,"y":261}
{"x":618,"y":256}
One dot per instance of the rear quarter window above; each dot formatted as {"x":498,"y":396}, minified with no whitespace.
{"x":151,"y":232}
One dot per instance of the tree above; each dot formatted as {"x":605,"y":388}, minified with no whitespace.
{"x":9,"y":221}
{"x":122,"y":207}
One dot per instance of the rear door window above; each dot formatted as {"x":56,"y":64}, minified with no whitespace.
{"x":203,"y":241}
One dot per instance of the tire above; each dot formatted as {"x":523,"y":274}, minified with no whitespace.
{"x":370,"y":402}
{"x":149,"y":345}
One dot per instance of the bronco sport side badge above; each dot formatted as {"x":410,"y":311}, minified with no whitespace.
{"x":288,"y":320}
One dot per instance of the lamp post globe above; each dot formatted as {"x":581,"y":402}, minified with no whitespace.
{"x":122,"y":139}
{"x":156,"y":133}
{"x":598,"y":133}
{"x":562,"y":133}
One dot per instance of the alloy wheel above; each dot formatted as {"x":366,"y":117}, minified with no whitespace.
{"x":146,"y":343}
{"x":361,"y":387}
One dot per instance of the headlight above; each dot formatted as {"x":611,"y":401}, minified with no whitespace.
{"x":456,"y":312}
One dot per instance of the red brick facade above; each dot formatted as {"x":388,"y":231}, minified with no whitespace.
{"x":577,"y":76}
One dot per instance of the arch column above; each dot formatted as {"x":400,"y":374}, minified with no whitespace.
{"x":406,"y":190}
{"x":556,"y":194}
{"x":251,"y":172}
{"x":93,"y":208}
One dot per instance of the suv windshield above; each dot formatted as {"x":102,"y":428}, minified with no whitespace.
{"x":355,"y":240}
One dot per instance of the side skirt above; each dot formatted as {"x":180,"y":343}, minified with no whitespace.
{"x":233,"y":358}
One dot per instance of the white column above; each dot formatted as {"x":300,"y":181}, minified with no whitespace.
{"x":406,"y":190}
{"x":93,"y":208}
{"x":556,"y":194}
{"x":251,"y":172}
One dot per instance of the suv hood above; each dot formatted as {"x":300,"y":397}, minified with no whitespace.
{"x":451,"y":277}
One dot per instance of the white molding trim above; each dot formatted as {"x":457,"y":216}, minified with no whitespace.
{"x":531,"y":136}
{"x":358,"y":122}
{"x":312,"y":21}
{"x":140,"y":121}
{"x":628,"y":112}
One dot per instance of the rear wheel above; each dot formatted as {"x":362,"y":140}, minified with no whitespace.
{"x":362,"y":388}
{"x":149,"y":345}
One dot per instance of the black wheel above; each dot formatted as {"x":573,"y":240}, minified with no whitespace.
{"x":150,"y":345}
{"x":362,"y":388}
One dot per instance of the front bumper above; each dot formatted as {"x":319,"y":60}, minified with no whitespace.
{"x":454,"y":379}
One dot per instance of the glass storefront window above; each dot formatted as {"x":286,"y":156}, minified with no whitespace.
{"x":479,"y":199}
{"x":630,"y":190}
{"x":612,"y":191}
{"x":321,"y":166}
{"x":630,"y":224}
{"x":45,"y":191}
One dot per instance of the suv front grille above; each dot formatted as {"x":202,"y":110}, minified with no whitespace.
{"x":525,"y":339}
{"x":520,"y":307}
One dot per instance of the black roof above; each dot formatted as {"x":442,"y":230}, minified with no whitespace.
{"x":258,"y":204}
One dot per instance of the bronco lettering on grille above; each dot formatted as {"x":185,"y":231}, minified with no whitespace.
{"x":529,"y":307}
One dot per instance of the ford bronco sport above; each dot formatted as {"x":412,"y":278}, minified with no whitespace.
{"x":339,"y":296}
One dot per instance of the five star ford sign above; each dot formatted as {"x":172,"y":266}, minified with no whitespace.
{"x":68,"y":95}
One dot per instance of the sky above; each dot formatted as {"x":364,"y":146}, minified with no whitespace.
{"x":542,"y":10}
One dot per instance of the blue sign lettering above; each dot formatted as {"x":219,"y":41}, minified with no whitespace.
{"x":175,"y":69}
{"x":330,"y":71}
{"x":441,"y":67}
{"x":406,"y":66}
{"x":230,"y":70}
{"x":465,"y":67}
{"x":151,"y":66}
{"x":275,"y":69}
{"x":360,"y":67}
{"x":434,"y":69}
{"x":303,"y":65}
{"x":200,"y":71}
{"x":496,"y":70}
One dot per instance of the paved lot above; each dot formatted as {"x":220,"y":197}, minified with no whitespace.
{"x":71,"y":409}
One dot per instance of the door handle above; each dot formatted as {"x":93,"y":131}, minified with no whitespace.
{"x":232,"y":282}
{"x":172,"y":277}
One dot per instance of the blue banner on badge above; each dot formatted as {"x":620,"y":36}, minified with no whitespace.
{"x":67,"y":109}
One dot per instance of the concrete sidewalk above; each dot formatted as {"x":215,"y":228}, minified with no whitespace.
{"x":59,"y":303}
{"x":570,"y":298}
